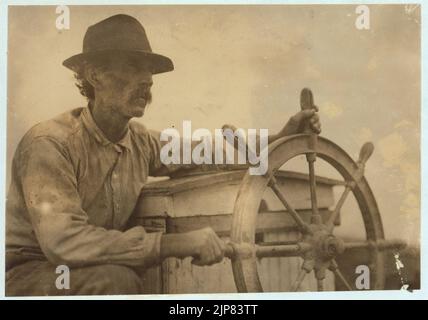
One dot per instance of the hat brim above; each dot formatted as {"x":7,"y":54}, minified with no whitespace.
{"x":157,"y":63}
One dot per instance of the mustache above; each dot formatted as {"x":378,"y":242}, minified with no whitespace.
{"x":145,"y":94}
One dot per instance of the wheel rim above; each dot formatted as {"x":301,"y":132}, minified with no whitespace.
{"x":253,"y":187}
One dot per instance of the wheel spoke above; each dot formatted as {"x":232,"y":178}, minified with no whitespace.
{"x":335,"y":268}
{"x":320,"y":284}
{"x":341,"y":277}
{"x":290,"y":250}
{"x":316,"y":218}
{"x":380,"y":245}
{"x":277,"y":243}
{"x":247,"y":251}
{"x":335,"y":214}
{"x":299,"y":280}
{"x":300,"y":223}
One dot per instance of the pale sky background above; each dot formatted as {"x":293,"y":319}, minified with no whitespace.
{"x":246,"y":65}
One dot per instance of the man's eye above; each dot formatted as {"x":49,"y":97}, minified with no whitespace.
{"x":146,"y":86}
{"x":132,"y":67}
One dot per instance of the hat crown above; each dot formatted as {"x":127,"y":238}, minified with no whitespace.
{"x":119,"y":32}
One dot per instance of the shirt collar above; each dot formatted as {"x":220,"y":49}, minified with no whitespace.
{"x":97,"y":133}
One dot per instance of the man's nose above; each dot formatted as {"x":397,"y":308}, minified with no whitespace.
{"x":145,"y":92}
{"x":142,"y":90}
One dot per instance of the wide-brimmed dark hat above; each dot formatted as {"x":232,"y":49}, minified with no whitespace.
{"x":117,"y":36}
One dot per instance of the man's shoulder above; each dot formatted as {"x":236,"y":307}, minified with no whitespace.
{"x":138,"y":128}
{"x":141,"y":131}
{"x":59,"y":128}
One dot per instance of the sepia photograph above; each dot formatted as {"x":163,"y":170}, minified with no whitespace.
{"x":205,"y":149}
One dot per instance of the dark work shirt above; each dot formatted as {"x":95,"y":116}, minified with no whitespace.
{"x":72,"y":193}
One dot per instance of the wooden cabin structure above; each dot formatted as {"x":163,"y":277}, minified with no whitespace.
{"x":196,"y":201}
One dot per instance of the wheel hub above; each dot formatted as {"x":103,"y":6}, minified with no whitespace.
{"x":324,"y":248}
{"x":325,"y":245}
{"x":332,"y":246}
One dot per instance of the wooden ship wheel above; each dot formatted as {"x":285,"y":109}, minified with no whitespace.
{"x":318,"y":245}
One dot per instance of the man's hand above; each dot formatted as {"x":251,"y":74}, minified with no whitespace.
{"x":209,"y":248}
{"x":296,"y":124}
{"x":203,"y":245}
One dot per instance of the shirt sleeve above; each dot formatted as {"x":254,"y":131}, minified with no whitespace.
{"x":61,"y":226}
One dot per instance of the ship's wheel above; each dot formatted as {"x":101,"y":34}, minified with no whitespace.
{"x":319,"y":246}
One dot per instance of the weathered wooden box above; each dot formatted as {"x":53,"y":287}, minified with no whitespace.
{"x":192,"y":202}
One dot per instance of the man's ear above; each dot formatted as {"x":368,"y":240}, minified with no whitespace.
{"x":92,"y":75}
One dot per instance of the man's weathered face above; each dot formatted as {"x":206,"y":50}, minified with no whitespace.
{"x":124,"y":87}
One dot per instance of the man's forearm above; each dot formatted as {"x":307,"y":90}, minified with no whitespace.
{"x":175,"y":245}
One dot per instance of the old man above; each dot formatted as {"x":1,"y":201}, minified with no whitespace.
{"x":76,"y":178}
